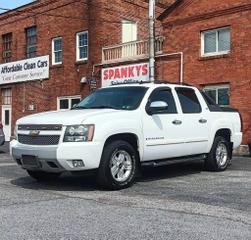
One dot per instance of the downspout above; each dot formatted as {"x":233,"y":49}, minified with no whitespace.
{"x":94,"y":66}
{"x":151,"y":30}
{"x":181,"y":63}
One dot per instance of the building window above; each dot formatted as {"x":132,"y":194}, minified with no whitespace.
{"x":31,"y":42}
{"x":82,"y":46}
{"x":65,"y":103}
{"x":6,"y":96}
{"x":7,"y":47}
{"x":215,"y":42}
{"x":219,"y":93}
{"x":57,"y":50}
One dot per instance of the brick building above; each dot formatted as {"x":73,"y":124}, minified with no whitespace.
{"x":214,"y":37}
{"x":52,"y":49}
{"x":199,"y":42}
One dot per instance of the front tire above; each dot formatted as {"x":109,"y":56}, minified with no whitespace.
{"x":43,"y":176}
{"x":118,"y":166}
{"x":219,"y":157}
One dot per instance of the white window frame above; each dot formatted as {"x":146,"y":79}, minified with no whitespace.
{"x":69,"y":98}
{"x":6,"y":95}
{"x":77,"y":46}
{"x":217,"y":88}
{"x":203,"y":54}
{"x":53,"y":51}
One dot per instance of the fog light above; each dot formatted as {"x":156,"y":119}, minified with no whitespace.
{"x":77,"y":163}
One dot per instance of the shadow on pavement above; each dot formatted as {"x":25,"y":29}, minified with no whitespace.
{"x":64,"y":183}
{"x":69,"y":182}
{"x":4,"y":148}
{"x":171,"y":171}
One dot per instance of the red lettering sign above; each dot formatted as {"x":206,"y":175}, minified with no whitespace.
{"x":111,"y":73}
{"x":138,"y":68}
{"x":145,"y":70}
{"x":131,"y":72}
{"x":106,"y":75}
{"x":123,"y":72}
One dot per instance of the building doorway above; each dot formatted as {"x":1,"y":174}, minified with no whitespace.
{"x":129,"y":35}
{"x":6,"y":121}
{"x":7,"y":112}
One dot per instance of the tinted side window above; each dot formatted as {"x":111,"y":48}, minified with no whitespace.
{"x":210,"y":102}
{"x":188,"y":100}
{"x":165,"y":96}
{"x":208,"y":99}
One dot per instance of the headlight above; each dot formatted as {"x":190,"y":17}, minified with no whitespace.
{"x":79,"y":133}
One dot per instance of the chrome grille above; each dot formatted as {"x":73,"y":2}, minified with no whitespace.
{"x":39,"y":140}
{"x":43,"y":127}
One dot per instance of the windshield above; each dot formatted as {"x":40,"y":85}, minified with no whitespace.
{"x":120,"y":98}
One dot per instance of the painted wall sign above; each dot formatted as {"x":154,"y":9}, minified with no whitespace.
{"x":25,"y":70}
{"x":125,"y":74}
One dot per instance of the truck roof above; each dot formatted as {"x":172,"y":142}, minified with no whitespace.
{"x":151,"y":85}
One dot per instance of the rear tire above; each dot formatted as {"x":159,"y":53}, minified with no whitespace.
{"x":43,"y":176}
{"x":219,"y":157}
{"x":118,"y":166}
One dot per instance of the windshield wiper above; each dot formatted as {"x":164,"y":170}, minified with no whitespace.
{"x":103,"y":107}
{"x":79,"y":107}
{"x":94,"y":107}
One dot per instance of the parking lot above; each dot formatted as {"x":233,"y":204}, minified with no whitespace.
{"x":179,"y":201}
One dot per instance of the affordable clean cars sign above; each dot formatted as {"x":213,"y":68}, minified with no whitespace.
{"x":25,"y":70}
{"x":125,"y":74}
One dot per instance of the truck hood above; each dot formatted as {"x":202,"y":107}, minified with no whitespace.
{"x":68,"y":117}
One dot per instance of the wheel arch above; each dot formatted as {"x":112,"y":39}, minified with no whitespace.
{"x":131,"y":138}
{"x":225,"y":133}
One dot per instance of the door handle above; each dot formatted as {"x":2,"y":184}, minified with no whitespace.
{"x":202,"y":120}
{"x":177,"y":122}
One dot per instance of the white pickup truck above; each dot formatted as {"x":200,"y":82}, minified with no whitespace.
{"x":118,"y":129}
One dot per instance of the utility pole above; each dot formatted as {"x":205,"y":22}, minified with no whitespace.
{"x":151,"y":40}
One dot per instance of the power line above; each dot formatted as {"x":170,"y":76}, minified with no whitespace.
{"x":137,"y":5}
{"x":69,"y":17}
{"x":19,"y":12}
{"x":15,"y":12}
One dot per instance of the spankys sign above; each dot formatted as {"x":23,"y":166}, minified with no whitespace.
{"x":25,"y":70}
{"x":125,"y":74}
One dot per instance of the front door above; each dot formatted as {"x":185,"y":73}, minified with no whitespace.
{"x":163,"y":132}
{"x":6,"y":121}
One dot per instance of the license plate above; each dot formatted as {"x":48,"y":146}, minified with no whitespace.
{"x":29,"y":160}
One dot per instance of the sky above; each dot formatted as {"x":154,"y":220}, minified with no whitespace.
{"x":10,"y":4}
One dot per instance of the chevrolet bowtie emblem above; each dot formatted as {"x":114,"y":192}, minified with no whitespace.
{"x":34,"y":133}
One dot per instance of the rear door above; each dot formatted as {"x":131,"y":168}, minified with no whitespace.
{"x":195,"y":121}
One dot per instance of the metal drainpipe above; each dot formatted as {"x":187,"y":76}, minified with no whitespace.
{"x":181,"y":63}
{"x":151,"y":40}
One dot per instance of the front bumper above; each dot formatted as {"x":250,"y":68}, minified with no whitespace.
{"x":58,"y":158}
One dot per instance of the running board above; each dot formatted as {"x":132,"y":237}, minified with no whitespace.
{"x":163,"y":162}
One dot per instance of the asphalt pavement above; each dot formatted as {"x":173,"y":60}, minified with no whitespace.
{"x":181,"y":201}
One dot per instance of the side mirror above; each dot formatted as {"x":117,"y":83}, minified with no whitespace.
{"x":157,"y":107}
